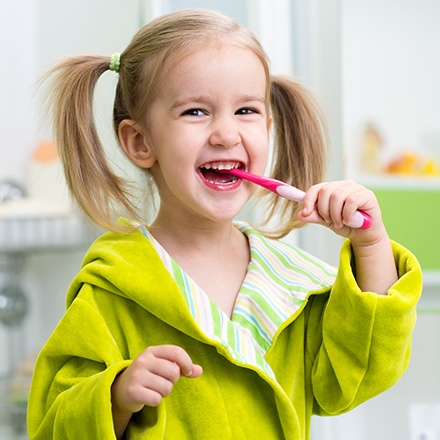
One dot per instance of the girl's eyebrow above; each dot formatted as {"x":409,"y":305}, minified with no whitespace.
{"x":190,"y":99}
{"x":207,"y":99}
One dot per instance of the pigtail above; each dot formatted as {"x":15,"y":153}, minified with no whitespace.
{"x":98,"y":191}
{"x":300,"y":142}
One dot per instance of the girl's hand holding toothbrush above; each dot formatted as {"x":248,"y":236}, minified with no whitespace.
{"x":333,"y":204}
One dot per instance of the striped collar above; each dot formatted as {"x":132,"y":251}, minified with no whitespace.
{"x":278,"y":280}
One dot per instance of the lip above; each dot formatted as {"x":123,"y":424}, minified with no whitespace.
{"x":221,"y":164}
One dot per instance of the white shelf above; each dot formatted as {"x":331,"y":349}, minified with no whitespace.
{"x":398,"y":182}
{"x":431,"y":278}
{"x":26,"y":234}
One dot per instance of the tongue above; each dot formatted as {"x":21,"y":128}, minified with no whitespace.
{"x":213,"y":176}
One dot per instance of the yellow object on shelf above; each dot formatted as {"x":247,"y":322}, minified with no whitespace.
{"x":412,"y":164}
{"x":372,"y":143}
{"x":45,"y":152}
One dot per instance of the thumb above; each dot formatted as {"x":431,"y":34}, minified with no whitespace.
{"x":196,"y":371}
{"x":311,"y":216}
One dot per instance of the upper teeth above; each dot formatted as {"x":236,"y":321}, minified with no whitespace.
{"x":221,"y":165}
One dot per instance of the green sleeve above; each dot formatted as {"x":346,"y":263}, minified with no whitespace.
{"x":366,"y":338}
{"x":70,"y":394}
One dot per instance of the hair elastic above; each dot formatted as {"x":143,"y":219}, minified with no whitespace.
{"x":115,"y":62}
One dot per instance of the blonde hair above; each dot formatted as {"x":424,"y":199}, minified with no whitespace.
{"x":103,"y":195}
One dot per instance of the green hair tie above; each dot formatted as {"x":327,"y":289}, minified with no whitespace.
{"x":115,"y":62}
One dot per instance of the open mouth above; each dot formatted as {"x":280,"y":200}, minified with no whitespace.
{"x":210,"y":172}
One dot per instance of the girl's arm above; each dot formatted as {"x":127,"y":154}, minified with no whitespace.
{"x":363,"y":344}
{"x":333,"y":204}
{"x":375,"y":269}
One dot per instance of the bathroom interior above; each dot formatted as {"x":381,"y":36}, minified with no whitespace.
{"x":375,"y":68}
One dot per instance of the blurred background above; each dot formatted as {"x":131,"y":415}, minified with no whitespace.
{"x":374,"y":66}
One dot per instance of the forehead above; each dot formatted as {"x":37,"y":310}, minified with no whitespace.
{"x":215,"y":65}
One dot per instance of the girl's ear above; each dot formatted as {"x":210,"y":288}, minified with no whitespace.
{"x":269,"y":123}
{"x":135,"y":145}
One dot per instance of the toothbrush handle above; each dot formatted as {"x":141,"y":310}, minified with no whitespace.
{"x":360,"y":219}
{"x":290,"y":193}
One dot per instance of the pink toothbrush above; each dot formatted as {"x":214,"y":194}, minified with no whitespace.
{"x":359,"y":220}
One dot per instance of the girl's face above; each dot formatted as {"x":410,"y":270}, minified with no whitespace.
{"x":210,"y":112}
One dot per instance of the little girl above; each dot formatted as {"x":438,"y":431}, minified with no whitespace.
{"x":197,"y":326}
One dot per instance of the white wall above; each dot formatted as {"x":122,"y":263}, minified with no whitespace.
{"x":391,"y":74}
{"x":33,"y":35}
{"x":17,"y":73}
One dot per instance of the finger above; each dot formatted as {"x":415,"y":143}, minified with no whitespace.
{"x":328,"y":204}
{"x":332,"y":201}
{"x":196,"y":371}
{"x":174,"y":354}
{"x":170,"y":370}
{"x":353,"y":202}
{"x":311,"y":217}
{"x":310,"y":199}
{"x":336,"y":206}
{"x":165,"y":368}
{"x":324,"y":201}
{"x":151,"y":397}
{"x":157,"y":384}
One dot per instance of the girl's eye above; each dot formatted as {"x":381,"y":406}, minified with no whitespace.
{"x":194,"y":112}
{"x":245,"y":111}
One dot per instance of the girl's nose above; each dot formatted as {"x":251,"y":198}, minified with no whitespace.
{"x":225,"y":133}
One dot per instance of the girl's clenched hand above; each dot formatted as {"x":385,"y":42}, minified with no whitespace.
{"x":151,"y":377}
{"x":333,"y":204}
